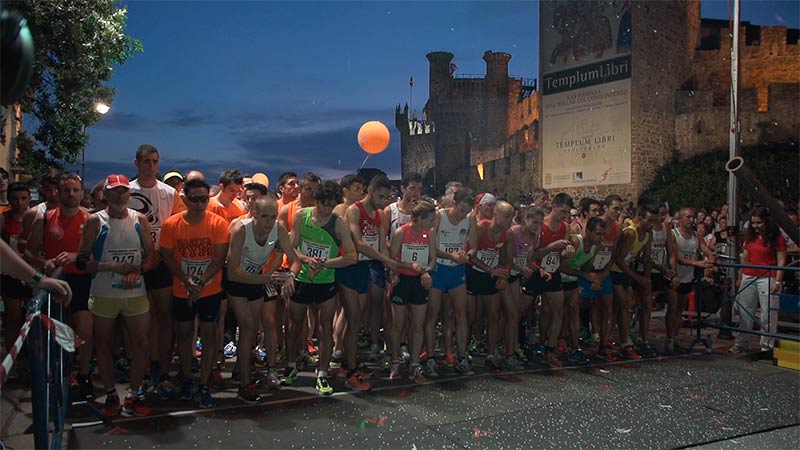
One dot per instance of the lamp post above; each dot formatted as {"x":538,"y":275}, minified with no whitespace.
{"x":101,"y":108}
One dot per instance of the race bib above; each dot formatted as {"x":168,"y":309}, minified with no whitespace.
{"x":125,"y":255}
{"x":521,"y":261}
{"x":250,"y":266}
{"x":13,"y":242}
{"x":155,"y":233}
{"x":450,"y":247}
{"x":414,"y":253}
{"x":551,"y":261}
{"x":490,"y":257}
{"x":601,"y":259}
{"x":314,"y":250}
{"x":372,"y":241}
{"x":270,"y":291}
{"x":658,"y":255}
{"x":195,"y":267}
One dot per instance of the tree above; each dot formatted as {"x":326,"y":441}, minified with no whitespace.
{"x":77,"y":45}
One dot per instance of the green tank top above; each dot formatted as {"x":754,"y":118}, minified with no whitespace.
{"x":636,"y":248}
{"x":580,"y":258}
{"x":318,"y":242}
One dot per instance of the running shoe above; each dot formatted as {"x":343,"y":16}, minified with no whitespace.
{"x":289,"y":375}
{"x":614,"y":347}
{"x":423,"y":356}
{"x":111,"y":406}
{"x":490,"y":363}
{"x":430,"y":368}
{"x":450,"y":360}
{"x":394,"y":374}
{"x":280,"y":355}
{"x":386,"y":362}
{"x":463,"y":367}
{"x":229,"y":350}
{"x":519,"y":352}
{"x":512,"y":363}
{"x":338,"y":356}
{"x":669,"y":346}
{"x":272,"y":379}
{"x":354,"y":382}
{"x":606,"y":354}
{"x":679,"y":347}
{"x":646,"y":350}
{"x":404,"y":355}
{"x":473,"y":346}
{"x":134,"y":407}
{"x":596,"y":338}
{"x":310,"y":348}
{"x":198,"y":344}
{"x":260,"y":354}
{"x":309,"y":360}
{"x":630,"y":353}
{"x":186,"y":390}
{"x":561,"y":346}
{"x":374,"y":353}
{"x":166,"y":390}
{"x":323,"y":387}
{"x":248,"y":394}
{"x":551,"y":359}
{"x":539,"y":349}
{"x":216,"y":380}
{"x":417,"y":376}
{"x":204,"y":398}
{"x":364,"y":372}
{"x":579,"y":357}
{"x":363,"y":342}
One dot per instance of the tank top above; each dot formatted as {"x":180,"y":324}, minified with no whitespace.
{"x":370,"y":229}
{"x":415,"y":248}
{"x":119,"y":240}
{"x":155,"y":203}
{"x":658,"y":249}
{"x":63,"y":234}
{"x":552,"y":260}
{"x":488,"y":250}
{"x":451,"y":238}
{"x":11,"y":229}
{"x":580,"y":258}
{"x":606,"y":249}
{"x":318,"y":242}
{"x":636,"y":248}
{"x":398,"y":218}
{"x":687,"y":248}
{"x":522,"y":246}
{"x":255,"y":256}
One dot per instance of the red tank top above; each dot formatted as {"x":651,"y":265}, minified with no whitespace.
{"x":548,"y":236}
{"x":11,"y":229}
{"x":414,"y":249}
{"x":370,"y":229}
{"x":63,"y":234}
{"x":488,"y":250}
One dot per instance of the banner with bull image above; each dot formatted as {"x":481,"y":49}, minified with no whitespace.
{"x":586,"y":105}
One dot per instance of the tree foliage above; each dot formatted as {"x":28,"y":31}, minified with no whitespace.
{"x":702,"y":182}
{"x":77,"y":44}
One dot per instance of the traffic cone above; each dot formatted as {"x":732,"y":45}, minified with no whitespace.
{"x":692,"y":306}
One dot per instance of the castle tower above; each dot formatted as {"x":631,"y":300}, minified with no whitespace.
{"x":440,"y":74}
{"x":497,"y":97}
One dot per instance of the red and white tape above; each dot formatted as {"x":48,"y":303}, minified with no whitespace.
{"x":63,"y":335}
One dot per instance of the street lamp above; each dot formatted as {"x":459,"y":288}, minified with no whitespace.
{"x":101,"y":108}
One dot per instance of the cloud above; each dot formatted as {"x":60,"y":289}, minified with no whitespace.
{"x":779,"y":18}
{"x":188,"y":119}
{"x":122,"y":121}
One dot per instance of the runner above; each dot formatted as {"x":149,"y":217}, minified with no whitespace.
{"x":194,"y":245}
{"x":48,"y":190}
{"x":412,"y":246}
{"x":116,"y":248}
{"x":319,"y":236}
{"x":454,"y":228}
{"x":14,"y":292}
{"x":288,"y":188}
{"x":226,"y":204}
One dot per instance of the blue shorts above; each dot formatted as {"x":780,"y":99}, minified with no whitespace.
{"x":377,"y":274}
{"x":447,"y":278}
{"x":585,"y":288}
{"x":355,"y":277}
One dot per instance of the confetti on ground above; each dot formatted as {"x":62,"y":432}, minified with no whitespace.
{"x":604,"y":371}
{"x":623,"y":430}
{"x":477,"y":433}
{"x":665,"y":406}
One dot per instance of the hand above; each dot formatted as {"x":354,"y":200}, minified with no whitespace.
{"x":125,"y":268}
{"x":287,"y":289}
{"x":193,"y":287}
{"x":130,"y":280}
{"x":500,"y":272}
{"x":49,"y":266}
{"x":557,"y":246}
{"x":705,"y":264}
{"x":460,"y":258}
{"x":63,"y":259}
{"x":569,"y":251}
{"x":394,"y":279}
{"x":675,"y":282}
{"x":594,"y":278}
{"x":501,"y":283}
{"x":417,"y":267}
{"x":526,"y":271}
{"x":546,"y":276}
{"x":426,"y":281}
{"x":60,"y":288}
{"x":597,"y":286}
{"x":391,"y":265}
{"x":776,"y":287}
{"x":278,"y":276}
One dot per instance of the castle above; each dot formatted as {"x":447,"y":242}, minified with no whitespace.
{"x":679,"y":84}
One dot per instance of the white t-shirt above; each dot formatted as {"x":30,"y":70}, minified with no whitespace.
{"x":155,"y":203}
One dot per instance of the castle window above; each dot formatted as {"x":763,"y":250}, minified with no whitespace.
{"x":493,"y":168}
{"x":710,"y":42}
{"x":507,"y":165}
{"x":753,"y":36}
{"x":522,"y":161}
{"x":792,"y":36}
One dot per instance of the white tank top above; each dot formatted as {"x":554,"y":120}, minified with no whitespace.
{"x":398,"y":219}
{"x":687,"y":248}
{"x":155,"y":203}
{"x":451,"y":238}
{"x":119,"y":240}
{"x":255,"y":256}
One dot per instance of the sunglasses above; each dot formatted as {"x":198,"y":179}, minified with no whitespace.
{"x":197,"y":198}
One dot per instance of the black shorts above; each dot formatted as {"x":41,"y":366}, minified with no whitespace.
{"x":206,"y":308}
{"x":80,"y":285}
{"x":480,"y":283}
{"x":657,"y":282}
{"x":11,"y":287}
{"x":158,"y":277}
{"x":409,"y":291}
{"x":537,"y":285}
{"x":313,"y":294}
{"x":621,"y":279}
{"x":514,"y":278}
{"x":248,"y":291}
{"x":355,"y":277}
{"x":567,"y":286}
{"x":685,"y":288}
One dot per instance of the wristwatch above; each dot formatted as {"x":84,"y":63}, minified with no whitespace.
{"x":37,"y":277}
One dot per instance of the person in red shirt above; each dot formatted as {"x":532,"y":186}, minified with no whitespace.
{"x":764,"y":245}
{"x":14,"y":292}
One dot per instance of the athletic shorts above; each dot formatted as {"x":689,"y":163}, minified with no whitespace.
{"x":158,"y":277}
{"x":658,"y":282}
{"x":355,"y":277}
{"x":621,"y":279}
{"x":206,"y":308}
{"x":11,"y":287}
{"x":111,"y":308}
{"x":409,"y":291}
{"x":685,"y":288}
{"x":585,"y":288}
{"x":80,"y":285}
{"x":447,"y":278}
{"x":480,"y":283}
{"x":514,"y":278}
{"x":567,"y":286}
{"x":536,"y":285}
{"x":311,"y":294}
{"x":377,"y":274}
{"x":249,"y":291}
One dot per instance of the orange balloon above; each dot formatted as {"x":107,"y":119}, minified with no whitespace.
{"x":261,"y":178}
{"x":373,"y":137}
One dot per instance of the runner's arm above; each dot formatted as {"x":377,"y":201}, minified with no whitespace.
{"x":349,"y":255}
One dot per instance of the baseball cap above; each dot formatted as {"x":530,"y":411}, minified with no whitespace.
{"x":116,"y":180}
{"x":172,"y":174}
{"x":487,"y":198}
